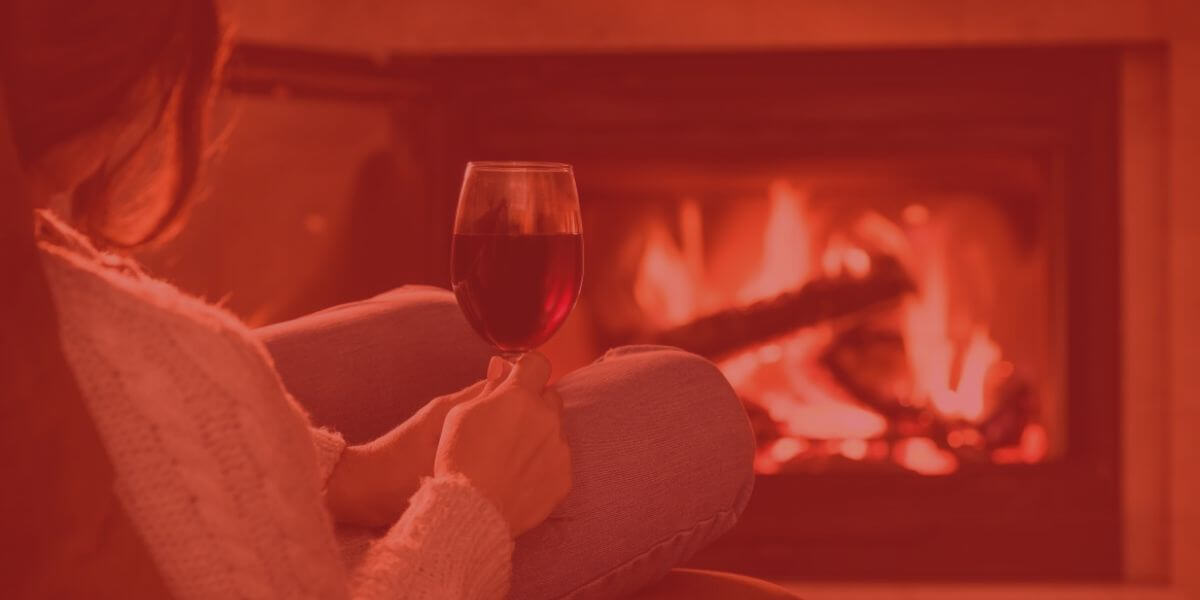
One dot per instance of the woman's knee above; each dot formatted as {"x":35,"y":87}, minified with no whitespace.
{"x":662,"y":457}
{"x":690,"y":399}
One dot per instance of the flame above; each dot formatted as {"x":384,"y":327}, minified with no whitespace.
{"x":1032,"y":448}
{"x":664,"y":287}
{"x":801,"y":396}
{"x":668,"y":287}
{"x":824,"y":418}
{"x":931,"y":350}
{"x":841,"y":258}
{"x":671,"y":287}
{"x":926,"y":342}
{"x":785,"y":253}
{"x":978,"y":358}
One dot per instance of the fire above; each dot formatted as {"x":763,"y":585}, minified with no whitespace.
{"x":842,"y":258}
{"x":671,"y":286}
{"x":923,"y":456}
{"x":932,"y":352}
{"x":813,"y":412}
{"x":785,"y":252}
{"x":981,"y":353}
{"x":670,"y":282}
{"x":665,"y":287}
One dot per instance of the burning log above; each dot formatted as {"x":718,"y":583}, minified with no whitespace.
{"x":864,"y":362}
{"x":969,"y":442}
{"x":764,"y":427}
{"x":727,"y":331}
{"x":1015,"y":410}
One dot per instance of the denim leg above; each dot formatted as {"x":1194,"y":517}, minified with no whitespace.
{"x":662,"y":458}
{"x":661,"y":449}
{"x":364,"y":367}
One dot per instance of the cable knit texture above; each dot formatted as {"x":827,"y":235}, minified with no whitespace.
{"x":219,"y":468}
{"x":432,"y":534}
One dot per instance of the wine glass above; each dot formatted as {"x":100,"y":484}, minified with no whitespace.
{"x":517,"y":254}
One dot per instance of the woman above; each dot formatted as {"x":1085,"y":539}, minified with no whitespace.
{"x":155,"y":451}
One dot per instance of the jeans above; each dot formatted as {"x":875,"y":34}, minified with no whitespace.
{"x":661,"y":449}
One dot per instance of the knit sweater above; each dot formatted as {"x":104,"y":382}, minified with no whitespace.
{"x":219,"y":468}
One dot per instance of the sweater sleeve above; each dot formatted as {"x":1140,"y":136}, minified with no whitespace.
{"x":451,"y":543}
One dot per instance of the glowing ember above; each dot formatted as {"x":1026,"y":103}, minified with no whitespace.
{"x":823,"y":419}
{"x":1034,"y":443}
{"x":784,"y":449}
{"x":922,"y":455}
{"x":854,"y":449}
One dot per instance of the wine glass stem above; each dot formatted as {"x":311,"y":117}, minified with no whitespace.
{"x":512,"y":356}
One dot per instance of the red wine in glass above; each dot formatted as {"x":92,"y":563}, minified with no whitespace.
{"x":517,"y":289}
{"x":517,"y":254}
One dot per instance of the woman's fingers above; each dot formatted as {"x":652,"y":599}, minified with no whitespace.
{"x":531,"y":372}
{"x":468,"y":393}
{"x":435,"y":411}
{"x":509,"y":444}
{"x":497,"y":372}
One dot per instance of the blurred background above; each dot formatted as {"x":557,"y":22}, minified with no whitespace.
{"x":913,"y":236}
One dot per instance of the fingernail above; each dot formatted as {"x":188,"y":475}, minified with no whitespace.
{"x":495,"y":368}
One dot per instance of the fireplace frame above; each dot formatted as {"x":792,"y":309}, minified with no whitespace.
{"x":796,"y":105}
{"x":1159,"y":143}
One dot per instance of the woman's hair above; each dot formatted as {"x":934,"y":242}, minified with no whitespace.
{"x":74,"y":66}
{"x":68,"y":69}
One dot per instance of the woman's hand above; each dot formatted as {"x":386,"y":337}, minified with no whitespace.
{"x":372,"y":482}
{"x":508,"y":443}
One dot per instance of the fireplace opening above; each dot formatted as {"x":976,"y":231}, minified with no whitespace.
{"x":904,"y":262}
{"x":927,"y":341}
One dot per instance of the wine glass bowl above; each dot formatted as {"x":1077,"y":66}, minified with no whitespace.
{"x":517,"y":251}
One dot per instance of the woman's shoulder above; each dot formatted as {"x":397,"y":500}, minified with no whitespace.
{"x":112,"y":315}
{"x":123,"y":329}
{"x":95,"y":287}
{"x":194,"y":416}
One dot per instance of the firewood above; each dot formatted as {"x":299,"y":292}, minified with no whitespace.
{"x":820,"y":300}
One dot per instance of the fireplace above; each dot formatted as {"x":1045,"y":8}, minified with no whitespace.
{"x":903,"y":261}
